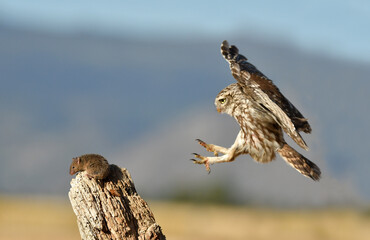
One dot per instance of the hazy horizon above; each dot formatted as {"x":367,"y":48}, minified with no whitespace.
{"x":142,"y":104}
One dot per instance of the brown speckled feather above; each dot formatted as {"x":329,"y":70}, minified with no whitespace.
{"x":299,"y":162}
{"x":262,"y":90}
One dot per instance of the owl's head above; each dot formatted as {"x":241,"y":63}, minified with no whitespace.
{"x":225,"y":100}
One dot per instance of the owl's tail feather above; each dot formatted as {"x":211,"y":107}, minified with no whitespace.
{"x":299,"y":162}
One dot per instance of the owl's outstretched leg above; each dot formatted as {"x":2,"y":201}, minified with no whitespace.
{"x":207,"y":161}
{"x":229,"y":153}
{"x":212,"y":148}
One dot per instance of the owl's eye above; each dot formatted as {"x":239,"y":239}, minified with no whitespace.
{"x":222,"y":100}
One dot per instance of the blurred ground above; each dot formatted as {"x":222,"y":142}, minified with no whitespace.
{"x":40,"y":217}
{"x":52,"y":218}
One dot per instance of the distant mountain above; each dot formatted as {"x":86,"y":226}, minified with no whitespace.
{"x":66,"y":95}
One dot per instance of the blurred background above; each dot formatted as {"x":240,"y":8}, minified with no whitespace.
{"x":135,"y":81}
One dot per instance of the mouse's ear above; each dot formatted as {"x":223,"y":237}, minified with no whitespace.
{"x":78,"y":160}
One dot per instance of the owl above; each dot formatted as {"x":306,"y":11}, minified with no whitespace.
{"x":263,"y":114}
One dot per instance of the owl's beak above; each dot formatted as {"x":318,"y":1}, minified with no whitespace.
{"x":219,"y":110}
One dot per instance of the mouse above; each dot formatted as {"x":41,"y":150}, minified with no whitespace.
{"x":95,"y":166}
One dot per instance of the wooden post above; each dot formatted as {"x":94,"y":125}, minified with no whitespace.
{"x":111,"y":208}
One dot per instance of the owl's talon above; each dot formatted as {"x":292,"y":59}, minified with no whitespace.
{"x":200,"y":157}
{"x":197,"y":155}
{"x":208,"y":147}
{"x":202,"y":143}
{"x":203,"y":160}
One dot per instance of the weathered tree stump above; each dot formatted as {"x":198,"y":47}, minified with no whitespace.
{"x":111,"y":208}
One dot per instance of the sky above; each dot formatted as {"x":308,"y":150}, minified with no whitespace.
{"x":337,"y":28}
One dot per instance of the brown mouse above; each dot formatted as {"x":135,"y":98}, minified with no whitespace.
{"x":95,"y":166}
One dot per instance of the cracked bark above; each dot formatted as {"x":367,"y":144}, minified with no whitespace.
{"x":111,"y":208}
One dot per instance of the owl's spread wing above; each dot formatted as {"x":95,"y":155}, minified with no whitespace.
{"x":261,"y":89}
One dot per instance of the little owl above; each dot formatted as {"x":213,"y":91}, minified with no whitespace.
{"x":263,"y":113}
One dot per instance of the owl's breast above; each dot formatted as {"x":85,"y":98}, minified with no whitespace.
{"x":261,"y":136}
